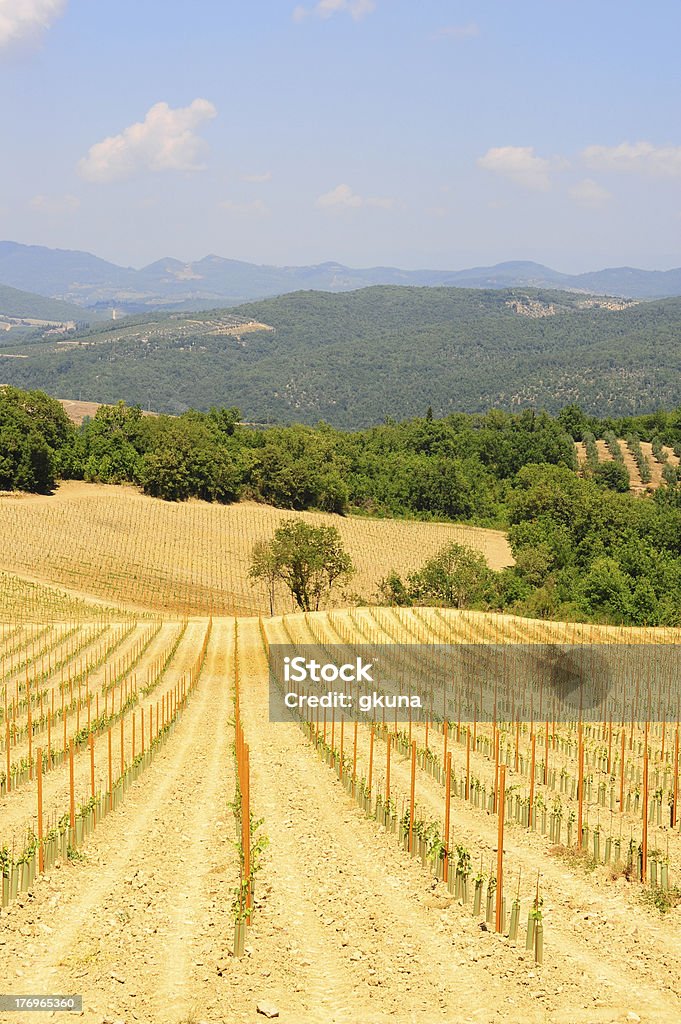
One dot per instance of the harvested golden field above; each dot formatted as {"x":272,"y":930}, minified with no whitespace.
{"x":78,"y":411}
{"x":116,"y":545}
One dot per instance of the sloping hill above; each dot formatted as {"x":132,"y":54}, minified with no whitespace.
{"x":59,"y":272}
{"x":116,"y":544}
{"x":18,"y":304}
{"x":356,"y":358}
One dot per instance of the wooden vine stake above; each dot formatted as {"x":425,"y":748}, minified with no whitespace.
{"x":676,"y":779}
{"x":72,"y":791}
{"x":7,"y":752}
{"x":246,"y":821}
{"x":354,"y":758}
{"x":580,"y":787}
{"x":644,"y":841}
{"x":110,"y":770}
{"x":387,"y":772}
{"x":623,"y":739}
{"x":496,"y":769}
{"x":29,"y":729}
{"x":412,"y":796}
{"x":92,"y":766}
{"x":41,"y":851}
{"x":468,"y":763}
{"x":448,"y":804}
{"x":371,"y":762}
{"x":499,"y":923}
{"x":532,"y":766}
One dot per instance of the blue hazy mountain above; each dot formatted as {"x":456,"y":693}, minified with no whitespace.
{"x":86,"y":279}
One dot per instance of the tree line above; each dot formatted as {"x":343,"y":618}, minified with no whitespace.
{"x":582,"y":548}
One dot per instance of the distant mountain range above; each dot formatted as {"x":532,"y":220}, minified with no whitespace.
{"x":87,"y":280}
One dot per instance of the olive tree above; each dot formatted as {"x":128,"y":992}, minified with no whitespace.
{"x":308,"y":560}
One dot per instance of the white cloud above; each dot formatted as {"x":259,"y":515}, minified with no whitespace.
{"x":255,"y":209}
{"x":342,"y":197}
{"x":637,"y":158}
{"x":357,"y":9}
{"x":468,"y":31}
{"x":589,"y":193}
{"x":257,"y":179}
{"x":165,"y":141}
{"x":22,"y":19}
{"x":520,"y":165}
{"x":54,"y":204}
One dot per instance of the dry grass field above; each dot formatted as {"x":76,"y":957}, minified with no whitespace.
{"x":117,"y":545}
{"x":77,"y":411}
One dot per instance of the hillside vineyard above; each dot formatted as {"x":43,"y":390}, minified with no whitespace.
{"x":166,"y":827}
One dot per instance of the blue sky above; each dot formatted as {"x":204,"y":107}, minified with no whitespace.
{"x":438,"y":134}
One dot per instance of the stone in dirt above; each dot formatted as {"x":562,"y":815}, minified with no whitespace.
{"x":267,"y":1009}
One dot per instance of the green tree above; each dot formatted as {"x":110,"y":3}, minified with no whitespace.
{"x":308,"y":560}
{"x":457,"y":577}
{"x":573,"y":420}
{"x":607,"y":590}
{"x":394,"y":591}
{"x":189,"y":458}
{"x":35,"y":434}
{"x":614,"y":475}
{"x":36,"y":469}
{"x":645,"y":607}
{"x":166,"y":474}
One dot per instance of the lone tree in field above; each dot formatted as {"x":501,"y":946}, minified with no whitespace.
{"x":309,"y":560}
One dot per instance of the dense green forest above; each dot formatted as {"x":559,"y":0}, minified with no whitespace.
{"x":582,"y":549}
{"x":358,"y":358}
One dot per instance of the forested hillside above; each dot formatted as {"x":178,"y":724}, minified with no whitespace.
{"x":16,"y":303}
{"x":582,"y":550}
{"x":358,"y":358}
